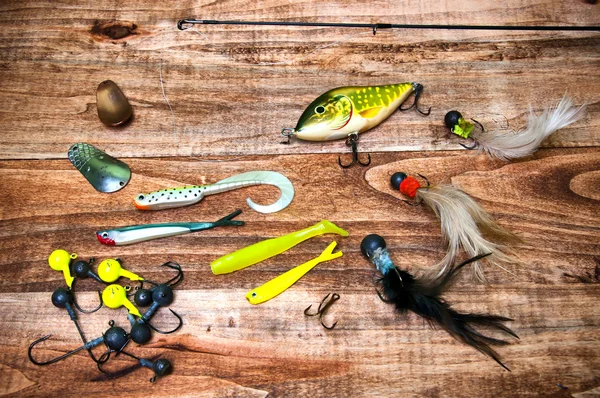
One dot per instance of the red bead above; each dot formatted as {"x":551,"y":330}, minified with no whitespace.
{"x":409,"y":187}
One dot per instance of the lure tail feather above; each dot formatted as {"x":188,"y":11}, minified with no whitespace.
{"x":525,"y":142}
{"x":422,"y":296}
{"x":463,"y":224}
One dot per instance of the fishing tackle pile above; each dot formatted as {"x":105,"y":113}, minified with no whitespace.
{"x":463,"y":224}
{"x":115,"y":339}
{"x":188,"y":195}
{"x":141,"y":233}
{"x":514,"y":145}
{"x":423,"y":297}
{"x":345,"y":112}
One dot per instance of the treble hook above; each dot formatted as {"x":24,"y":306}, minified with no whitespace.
{"x":351,"y":142}
{"x":417,"y":90}
{"x":323,"y":308}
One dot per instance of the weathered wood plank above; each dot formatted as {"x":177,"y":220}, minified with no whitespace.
{"x":233,"y":89}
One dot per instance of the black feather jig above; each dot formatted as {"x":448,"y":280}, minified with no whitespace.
{"x":422,"y":296}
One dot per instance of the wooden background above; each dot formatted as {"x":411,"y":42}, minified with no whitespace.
{"x":232,"y":89}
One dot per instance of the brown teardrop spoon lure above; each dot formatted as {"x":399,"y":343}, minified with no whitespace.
{"x":113,"y":107}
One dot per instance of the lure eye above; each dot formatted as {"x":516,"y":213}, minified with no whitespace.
{"x":253,"y":294}
{"x":141,"y":197}
{"x":320,"y":109}
{"x":105,"y":235}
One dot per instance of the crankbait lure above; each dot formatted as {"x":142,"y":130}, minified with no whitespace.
{"x":462,"y":221}
{"x":260,"y":251}
{"x":188,"y":195}
{"x":141,"y":233}
{"x":422,"y":296}
{"x":105,"y":173}
{"x":278,"y":285}
{"x":513,"y":145}
{"x":345,"y":112}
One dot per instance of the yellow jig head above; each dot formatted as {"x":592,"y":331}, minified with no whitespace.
{"x":115,"y":296}
{"x":343,"y":111}
{"x":110,"y":270}
{"x":281,"y":283}
{"x":260,"y":251}
{"x":60,"y":260}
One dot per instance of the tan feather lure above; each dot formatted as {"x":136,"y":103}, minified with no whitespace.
{"x":515,"y":145}
{"x":463,"y":222}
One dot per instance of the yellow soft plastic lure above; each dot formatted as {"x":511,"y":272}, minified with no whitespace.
{"x":260,"y":251}
{"x":278,"y":285}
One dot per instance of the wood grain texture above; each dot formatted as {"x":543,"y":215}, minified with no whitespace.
{"x":232,"y":89}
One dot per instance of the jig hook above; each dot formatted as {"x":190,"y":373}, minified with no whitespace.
{"x":323,"y":308}
{"x":351,"y":142}
{"x":171,"y":282}
{"x":158,"y":296}
{"x":417,"y":203}
{"x":474,"y":146}
{"x":418,"y":90}
{"x":87,"y":346}
{"x":161,"y":367}
{"x":81,"y":269}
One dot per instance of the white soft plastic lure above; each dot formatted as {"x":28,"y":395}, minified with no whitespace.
{"x":184,"y":196}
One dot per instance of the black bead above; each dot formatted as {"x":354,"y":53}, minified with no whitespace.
{"x":61,"y":297}
{"x":115,"y":338}
{"x":143,"y":297}
{"x":370,"y":243}
{"x":162,"y":367}
{"x":163,"y":295}
{"x":140,"y":333}
{"x":80,"y":268}
{"x":451,"y":119}
{"x":397,"y":179}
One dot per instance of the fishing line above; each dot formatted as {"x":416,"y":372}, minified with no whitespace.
{"x":167,"y":100}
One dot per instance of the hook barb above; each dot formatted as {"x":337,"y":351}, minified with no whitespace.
{"x":417,"y":90}
{"x":323,"y":308}
{"x":147,"y":322}
{"x":351,"y":141}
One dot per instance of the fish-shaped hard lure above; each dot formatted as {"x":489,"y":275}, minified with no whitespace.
{"x":140,"y":233}
{"x":188,"y":195}
{"x":278,"y":285}
{"x":351,"y":110}
{"x":260,"y":251}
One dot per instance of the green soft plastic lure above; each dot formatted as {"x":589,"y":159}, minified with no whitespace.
{"x":278,"y":285}
{"x":140,"y":233}
{"x":260,"y":251}
{"x":343,"y":111}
